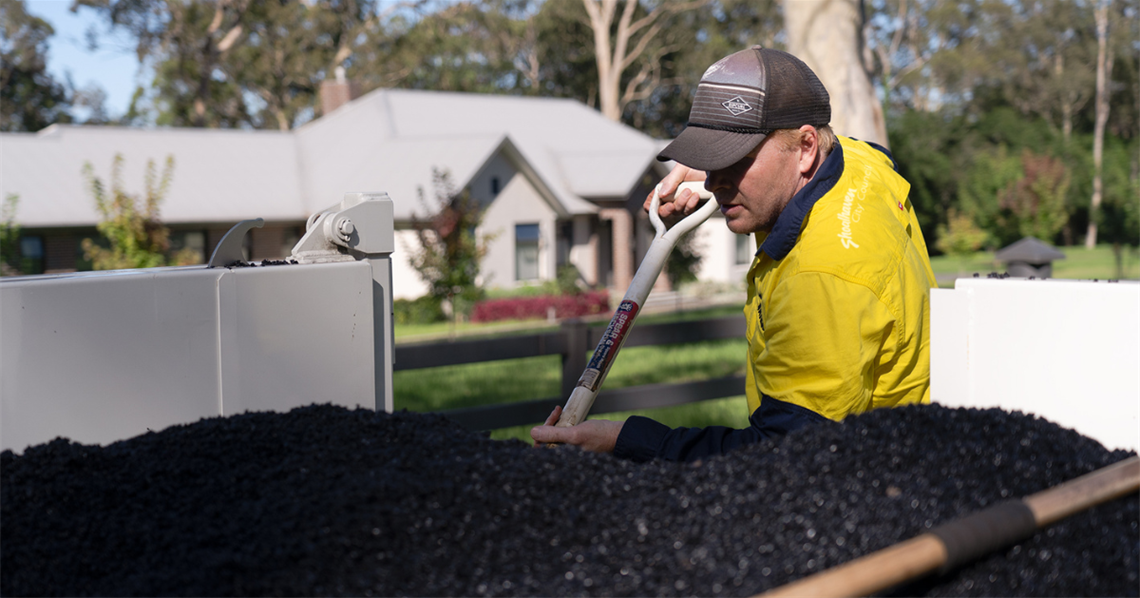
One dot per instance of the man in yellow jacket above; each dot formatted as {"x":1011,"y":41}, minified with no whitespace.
{"x":839,"y":290}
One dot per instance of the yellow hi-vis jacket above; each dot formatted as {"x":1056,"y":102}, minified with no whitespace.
{"x":839,"y":295}
{"x":838,"y":311}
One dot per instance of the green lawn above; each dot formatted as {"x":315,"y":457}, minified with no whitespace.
{"x":452,"y":387}
{"x":1079,"y":263}
{"x":469,"y":385}
{"x":442,"y":330}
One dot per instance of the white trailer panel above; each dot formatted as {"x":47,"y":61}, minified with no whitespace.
{"x":1065,"y":350}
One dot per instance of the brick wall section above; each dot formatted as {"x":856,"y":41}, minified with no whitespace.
{"x":268,"y":243}
{"x":622,"y":245}
{"x":60,"y":252}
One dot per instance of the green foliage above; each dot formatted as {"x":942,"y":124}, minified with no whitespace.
{"x":466,"y":46}
{"x":10,"y":262}
{"x":990,"y":174}
{"x":1118,"y":219}
{"x":237,"y":64}
{"x":449,"y":253}
{"x":567,"y":280}
{"x":30,"y":99}
{"x":423,"y":310}
{"x":135,"y":235}
{"x":1013,"y":197}
{"x":960,"y":236}
{"x":927,"y":148}
{"x":1119,"y":216}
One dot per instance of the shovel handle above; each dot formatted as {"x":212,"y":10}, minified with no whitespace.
{"x":582,"y":398}
{"x":963,"y":540}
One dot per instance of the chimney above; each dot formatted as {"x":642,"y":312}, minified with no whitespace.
{"x":335,"y":94}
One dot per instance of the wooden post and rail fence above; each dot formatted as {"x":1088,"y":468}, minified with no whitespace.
{"x":574,"y":341}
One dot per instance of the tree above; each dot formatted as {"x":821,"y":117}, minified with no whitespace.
{"x":695,"y":39}
{"x":1119,"y":215}
{"x":136,"y":236}
{"x":10,"y":261}
{"x":234,"y":63}
{"x":1041,"y":55}
{"x":1103,"y":72}
{"x":629,"y":41}
{"x":449,"y":253}
{"x":30,"y":99}
{"x":960,"y":237}
{"x":188,"y":42}
{"x":918,"y":51}
{"x":828,"y":36}
{"x":466,"y":46}
{"x":1035,"y":206}
{"x":991,"y":172}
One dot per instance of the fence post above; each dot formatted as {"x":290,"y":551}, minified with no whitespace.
{"x":577,"y":335}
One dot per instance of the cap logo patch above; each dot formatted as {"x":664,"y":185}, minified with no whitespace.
{"x":737,"y":106}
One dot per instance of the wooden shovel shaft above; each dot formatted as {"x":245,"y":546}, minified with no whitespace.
{"x":919,"y":556}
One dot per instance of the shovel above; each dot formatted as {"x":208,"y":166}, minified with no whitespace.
{"x":582,"y":398}
{"x":951,"y":545}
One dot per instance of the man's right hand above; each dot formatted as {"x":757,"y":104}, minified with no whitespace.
{"x":674,"y":209}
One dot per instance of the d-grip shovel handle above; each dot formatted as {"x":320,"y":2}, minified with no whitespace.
{"x":582,"y":398}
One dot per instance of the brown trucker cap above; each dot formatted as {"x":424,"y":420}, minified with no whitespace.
{"x":742,"y":98}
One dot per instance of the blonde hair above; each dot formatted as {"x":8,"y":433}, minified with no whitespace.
{"x":789,"y":139}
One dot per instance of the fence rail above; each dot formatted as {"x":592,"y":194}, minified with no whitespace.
{"x":573,"y":342}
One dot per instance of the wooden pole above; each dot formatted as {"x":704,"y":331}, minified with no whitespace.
{"x":965,"y":539}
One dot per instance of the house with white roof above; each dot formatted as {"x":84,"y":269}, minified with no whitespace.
{"x":562,"y":185}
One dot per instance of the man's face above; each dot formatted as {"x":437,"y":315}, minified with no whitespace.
{"x":753,"y":191}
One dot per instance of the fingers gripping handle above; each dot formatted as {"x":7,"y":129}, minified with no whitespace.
{"x":582,"y":398}
{"x":689,"y":222}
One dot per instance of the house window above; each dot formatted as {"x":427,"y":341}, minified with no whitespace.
{"x":496,"y":186}
{"x":526,"y":251}
{"x":31,"y":260}
{"x":193,"y":241}
{"x":745,"y":249}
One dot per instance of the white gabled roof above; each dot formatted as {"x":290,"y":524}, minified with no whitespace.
{"x":388,"y":140}
{"x":219,"y":175}
{"x":574,"y":150}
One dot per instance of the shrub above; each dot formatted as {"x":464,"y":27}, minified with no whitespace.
{"x":528,"y":308}
{"x":425,"y":310}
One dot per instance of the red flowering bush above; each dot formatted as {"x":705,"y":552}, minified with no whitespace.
{"x":528,"y":308}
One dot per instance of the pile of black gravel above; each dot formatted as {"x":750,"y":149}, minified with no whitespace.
{"x":328,"y":501}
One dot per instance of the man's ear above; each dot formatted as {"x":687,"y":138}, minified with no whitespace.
{"x":809,"y":149}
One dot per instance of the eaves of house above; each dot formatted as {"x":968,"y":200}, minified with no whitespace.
{"x":219,"y":175}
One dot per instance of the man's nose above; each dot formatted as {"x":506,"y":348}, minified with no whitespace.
{"x":715,"y":180}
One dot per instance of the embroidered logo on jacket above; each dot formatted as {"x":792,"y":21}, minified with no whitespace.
{"x":852,"y":211}
{"x":737,"y":106}
{"x":760,"y":310}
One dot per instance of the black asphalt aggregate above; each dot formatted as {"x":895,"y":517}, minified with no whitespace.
{"x":324,"y":500}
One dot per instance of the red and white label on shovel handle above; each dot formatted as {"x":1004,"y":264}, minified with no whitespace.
{"x":608,"y":347}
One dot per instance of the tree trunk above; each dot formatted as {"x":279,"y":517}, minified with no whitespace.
{"x":607,"y":59}
{"x":828,"y":36}
{"x":1103,"y":69}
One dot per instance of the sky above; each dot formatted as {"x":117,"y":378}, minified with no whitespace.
{"x":113,"y":66}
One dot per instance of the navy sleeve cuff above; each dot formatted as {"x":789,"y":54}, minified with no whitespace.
{"x":639,"y":439}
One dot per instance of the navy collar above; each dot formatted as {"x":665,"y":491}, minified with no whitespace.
{"x":787,"y":229}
